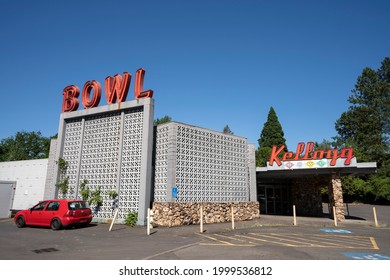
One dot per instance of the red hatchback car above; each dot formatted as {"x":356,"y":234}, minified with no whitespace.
{"x":55,"y":213}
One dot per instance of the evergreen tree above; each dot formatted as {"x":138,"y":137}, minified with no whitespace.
{"x":164,"y":119}
{"x":271,"y":135}
{"x":366,"y":124}
{"x":227,"y":130}
{"x":366,"y":127}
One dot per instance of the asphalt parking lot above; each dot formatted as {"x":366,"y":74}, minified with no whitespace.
{"x":268,"y":238}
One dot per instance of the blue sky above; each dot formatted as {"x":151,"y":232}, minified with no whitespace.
{"x":210,"y":63}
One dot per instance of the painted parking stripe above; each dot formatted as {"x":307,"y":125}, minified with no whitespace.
{"x":236,"y":239}
{"x":346,"y":241}
{"x":325,"y":241}
{"x":366,"y":256}
{"x":257,"y":238}
{"x":219,"y":242}
{"x":373,"y":242}
{"x":293,"y":240}
{"x":319,"y":241}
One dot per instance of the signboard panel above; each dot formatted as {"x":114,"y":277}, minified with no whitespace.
{"x":174,"y":192}
{"x":306,"y":157}
{"x":310,"y":164}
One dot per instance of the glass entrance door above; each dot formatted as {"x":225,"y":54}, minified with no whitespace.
{"x":269,"y":194}
{"x":274,"y":199}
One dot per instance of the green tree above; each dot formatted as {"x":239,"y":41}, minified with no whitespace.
{"x":324,"y":145}
{"x":164,"y":119}
{"x":271,"y":135}
{"x":366,"y":123}
{"x":227,"y":130}
{"x":366,"y":127}
{"x":24,"y":146}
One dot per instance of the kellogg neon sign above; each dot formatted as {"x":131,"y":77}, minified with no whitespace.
{"x":116,"y":89}
{"x":310,"y":154}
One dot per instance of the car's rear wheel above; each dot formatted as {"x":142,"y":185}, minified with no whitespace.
{"x":20,"y":222}
{"x":55,"y":224}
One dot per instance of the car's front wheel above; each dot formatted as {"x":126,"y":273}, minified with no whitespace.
{"x":20,"y":222}
{"x":55,"y":224}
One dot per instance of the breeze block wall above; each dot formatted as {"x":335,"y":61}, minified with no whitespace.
{"x":202,"y":165}
{"x":111,"y":147}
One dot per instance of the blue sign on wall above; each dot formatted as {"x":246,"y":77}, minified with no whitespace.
{"x":174,"y":192}
{"x":334,"y":230}
{"x":366,"y":256}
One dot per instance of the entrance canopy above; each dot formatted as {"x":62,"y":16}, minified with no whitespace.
{"x":297,"y":179}
{"x":280,"y":187}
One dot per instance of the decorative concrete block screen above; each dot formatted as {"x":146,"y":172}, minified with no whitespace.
{"x":111,"y":147}
{"x":201,"y":165}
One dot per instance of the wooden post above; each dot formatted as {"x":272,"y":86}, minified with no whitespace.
{"x":113,"y":220}
{"x":334,"y":216}
{"x":295,"y":216}
{"x":375,"y":219}
{"x":201,"y":219}
{"x":232,"y":217}
{"x":148,"y":223}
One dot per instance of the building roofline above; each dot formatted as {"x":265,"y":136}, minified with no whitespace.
{"x":203,"y":128}
{"x":361,"y":169}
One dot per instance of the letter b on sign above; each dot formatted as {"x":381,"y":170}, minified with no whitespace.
{"x":70,"y":102}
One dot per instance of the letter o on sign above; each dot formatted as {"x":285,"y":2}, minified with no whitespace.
{"x":87,"y":101}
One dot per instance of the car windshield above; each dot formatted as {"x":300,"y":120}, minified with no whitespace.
{"x":74,"y":205}
{"x":39,"y":206}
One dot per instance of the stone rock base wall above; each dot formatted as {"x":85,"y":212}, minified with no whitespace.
{"x":171,"y":214}
{"x":336,"y":197}
{"x":306,"y":195}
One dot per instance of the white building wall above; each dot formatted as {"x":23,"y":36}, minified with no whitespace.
{"x":30,"y":178}
{"x":52,"y":165}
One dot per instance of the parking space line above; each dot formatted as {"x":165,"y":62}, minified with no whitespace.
{"x":220,"y":241}
{"x":347,"y":240}
{"x":268,"y":241}
{"x":330,"y":241}
{"x":224,"y":243}
{"x":294,"y":240}
{"x":236,"y":239}
{"x":279,"y":237}
{"x":374,"y":244}
{"x":312,"y":242}
{"x":362,"y":241}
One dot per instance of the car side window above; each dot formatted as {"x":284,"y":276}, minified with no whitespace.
{"x":72,"y":206}
{"x":53,"y":206}
{"x":39,"y":206}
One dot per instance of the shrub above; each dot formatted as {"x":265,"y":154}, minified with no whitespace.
{"x":96,"y":198}
{"x":131,"y":219}
{"x":84,"y":190}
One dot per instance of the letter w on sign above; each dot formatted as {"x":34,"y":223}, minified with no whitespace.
{"x":117,"y":87}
